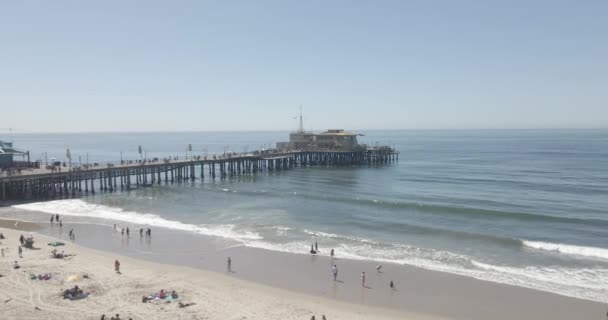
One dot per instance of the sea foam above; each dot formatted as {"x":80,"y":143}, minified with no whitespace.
{"x":80,"y":208}
{"x":593,"y":252}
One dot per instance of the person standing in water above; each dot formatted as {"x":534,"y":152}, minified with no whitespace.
{"x":60,"y":224}
{"x":363,"y":279}
{"x":334,"y":270}
{"x":316,"y":246}
{"x":57,"y":217}
{"x":127,"y":231}
{"x":52,"y":218}
{"x":332,"y":253}
{"x":141,"y":232}
{"x":229,"y":265}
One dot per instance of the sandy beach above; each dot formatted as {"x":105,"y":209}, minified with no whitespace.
{"x":216,"y":296}
{"x":265,"y":285}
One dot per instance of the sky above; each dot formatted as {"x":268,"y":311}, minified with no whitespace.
{"x":71,"y":66}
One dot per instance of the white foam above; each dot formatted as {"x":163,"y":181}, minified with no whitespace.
{"x":568,"y":249}
{"x":80,"y":208}
{"x":322,"y":234}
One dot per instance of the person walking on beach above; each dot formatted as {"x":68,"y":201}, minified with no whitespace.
{"x":122,"y":232}
{"x":363,"y":279}
{"x":149,"y":232}
{"x":229,"y":264}
{"x":334,"y":271}
{"x":117,"y":266}
{"x":60,"y":224}
{"x":20,"y":250}
{"x":52,"y":219}
{"x":57,"y":217}
{"x":141,"y":232}
{"x":392,"y":285}
{"x":127,"y":231}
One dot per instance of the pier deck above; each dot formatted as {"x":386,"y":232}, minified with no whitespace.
{"x":44,"y":183}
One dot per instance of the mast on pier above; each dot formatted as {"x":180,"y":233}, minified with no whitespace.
{"x":301,"y":128}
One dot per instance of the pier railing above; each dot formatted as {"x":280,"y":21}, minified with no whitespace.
{"x":49,"y":182}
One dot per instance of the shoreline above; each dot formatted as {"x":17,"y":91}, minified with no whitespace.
{"x":419,"y":291}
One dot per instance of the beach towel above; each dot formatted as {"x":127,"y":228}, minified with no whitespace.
{"x":56,"y":243}
{"x":73,"y":278}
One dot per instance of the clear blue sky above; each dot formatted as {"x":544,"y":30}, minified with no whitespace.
{"x":248,"y":65}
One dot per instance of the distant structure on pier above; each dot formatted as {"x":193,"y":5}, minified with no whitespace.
{"x":332,"y":139}
{"x":8,"y":154}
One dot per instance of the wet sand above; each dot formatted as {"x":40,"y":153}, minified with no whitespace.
{"x":417,"y":290}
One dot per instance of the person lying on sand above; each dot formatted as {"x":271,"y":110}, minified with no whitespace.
{"x":60,"y":255}
{"x":183,"y":305}
{"x":16,"y":265}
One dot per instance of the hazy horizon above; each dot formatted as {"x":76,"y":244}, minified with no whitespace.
{"x":142,"y":66}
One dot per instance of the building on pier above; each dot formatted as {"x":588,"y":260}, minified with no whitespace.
{"x":8,"y":154}
{"x":333,"y":139}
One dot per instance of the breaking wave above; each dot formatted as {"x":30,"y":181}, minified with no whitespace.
{"x":80,"y":208}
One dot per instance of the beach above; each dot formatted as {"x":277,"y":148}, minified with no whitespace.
{"x":216,"y":296}
{"x":264,"y":285}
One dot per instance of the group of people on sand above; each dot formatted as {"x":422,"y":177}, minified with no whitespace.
{"x":74,"y":293}
{"x":55,"y":218}
{"x":26,"y":242}
{"x":116,"y":317}
{"x":322,"y":318}
{"x":58,"y":255}
{"x":128,"y":231}
{"x":161,"y":295}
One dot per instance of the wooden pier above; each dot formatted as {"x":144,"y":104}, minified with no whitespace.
{"x":132,"y":174}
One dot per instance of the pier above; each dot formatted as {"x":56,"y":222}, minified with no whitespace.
{"x":40,"y":184}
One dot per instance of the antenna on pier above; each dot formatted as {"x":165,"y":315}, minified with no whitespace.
{"x":301,"y":128}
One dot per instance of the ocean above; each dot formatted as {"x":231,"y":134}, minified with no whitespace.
{"x":521,"y":207}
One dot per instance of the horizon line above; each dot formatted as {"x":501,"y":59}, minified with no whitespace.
{"x":291,"y":130}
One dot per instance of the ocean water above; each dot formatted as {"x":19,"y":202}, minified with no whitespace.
{"x":521,"y":207}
